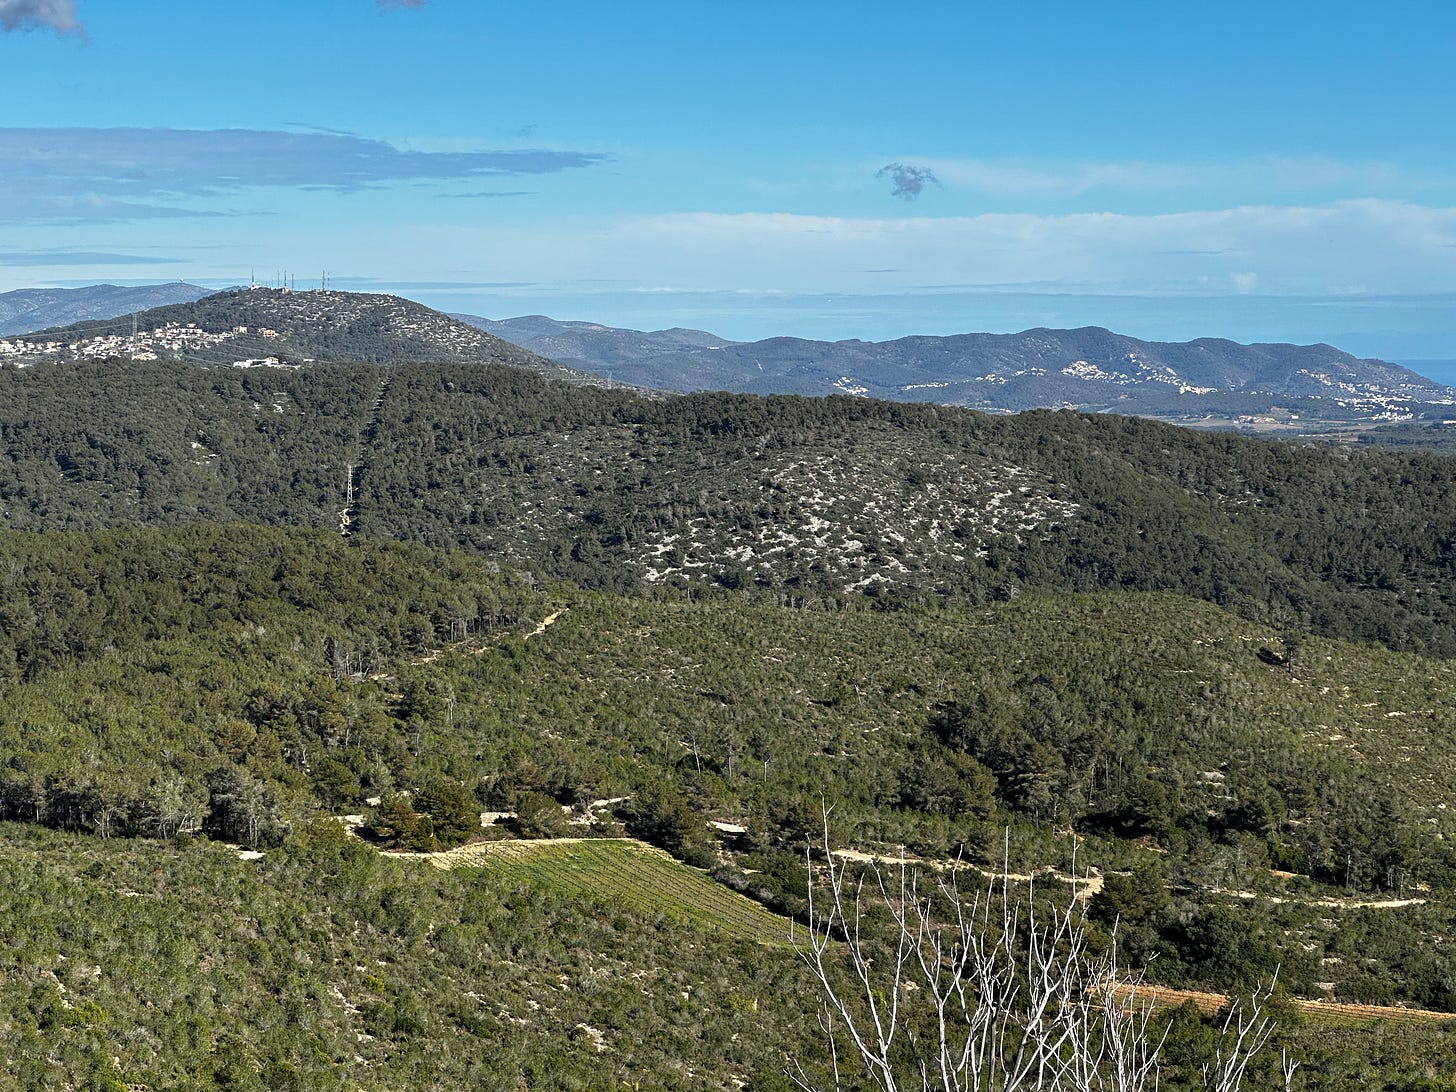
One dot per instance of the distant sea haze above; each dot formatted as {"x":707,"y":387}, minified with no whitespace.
{"x":1442,"y":371}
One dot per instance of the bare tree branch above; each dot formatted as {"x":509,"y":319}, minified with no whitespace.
{"x":925,"y":987}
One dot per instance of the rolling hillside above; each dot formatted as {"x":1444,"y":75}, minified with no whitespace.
{"x":288,"y":675}
{"x":239,"y":600}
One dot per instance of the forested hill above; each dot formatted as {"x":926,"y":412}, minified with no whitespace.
{"x":803,"y":501}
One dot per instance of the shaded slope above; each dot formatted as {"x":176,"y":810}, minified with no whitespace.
{"x":810,"y":502}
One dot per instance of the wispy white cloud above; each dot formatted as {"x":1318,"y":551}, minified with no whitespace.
{"x":57,"y":15}
{"x":1378,"y":245}
{"x":39,"y":258}
{"x":373,"y":283}
{"x":1373,"y":248}
{"x":110,"y":174}
{"x":1271,"y":175}
{"x":487,"y":193}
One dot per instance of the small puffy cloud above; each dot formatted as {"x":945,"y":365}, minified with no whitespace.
{"x":907,"y":182}
{"x":1258,"y":178}
{"x":57,"y":15}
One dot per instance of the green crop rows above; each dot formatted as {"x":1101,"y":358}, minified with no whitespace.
{"x":629,"y":874}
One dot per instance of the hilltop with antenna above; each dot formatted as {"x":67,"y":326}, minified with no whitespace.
{"x":285,"y":280}
{"x":249,"y":327}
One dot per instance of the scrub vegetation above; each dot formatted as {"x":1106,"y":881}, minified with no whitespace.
{"x":611,"y":660}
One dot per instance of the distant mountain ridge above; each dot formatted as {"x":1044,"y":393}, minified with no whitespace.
{"x":590,"y":342}
{"x":1209,"y":381}
{"x":28,"y":309}
{"x":1093,"y":369}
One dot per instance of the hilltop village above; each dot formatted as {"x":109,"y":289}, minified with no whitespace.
{"x":159,"y":343}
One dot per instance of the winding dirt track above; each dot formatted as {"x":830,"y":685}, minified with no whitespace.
{"x":1086,"y":886}
{"x":541,"y":625}
{"x":1159,"y":996}
{"x":1212,"y":1002}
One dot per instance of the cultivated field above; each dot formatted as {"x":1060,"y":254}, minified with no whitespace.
{"x":623,"y":871}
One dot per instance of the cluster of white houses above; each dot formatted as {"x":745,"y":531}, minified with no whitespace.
{"x":163,"y":341}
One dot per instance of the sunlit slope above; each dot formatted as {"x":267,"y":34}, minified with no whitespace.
{"x":331,"y":672}
{"x":621,"y":872}
{"x":327,"y":965}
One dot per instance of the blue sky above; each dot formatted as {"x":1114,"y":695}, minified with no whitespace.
{"x":1248,"y":170}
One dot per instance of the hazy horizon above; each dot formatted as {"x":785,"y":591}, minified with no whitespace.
{"x":827,"y":171}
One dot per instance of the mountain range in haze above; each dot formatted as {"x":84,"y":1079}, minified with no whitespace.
{"x":1209,"y":381}
{"x":29,"y":309}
